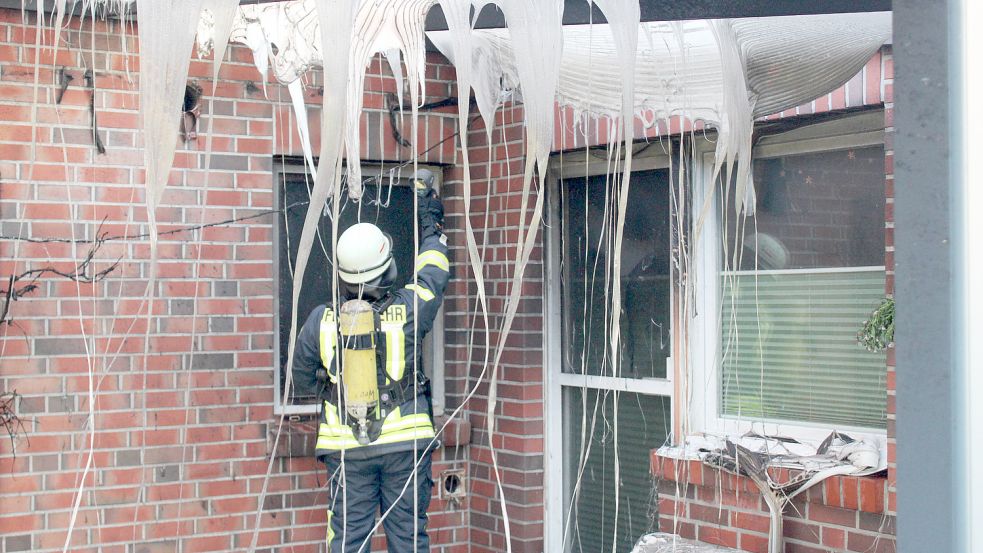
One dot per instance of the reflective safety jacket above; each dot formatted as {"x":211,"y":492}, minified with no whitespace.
{"x":413,"y":307}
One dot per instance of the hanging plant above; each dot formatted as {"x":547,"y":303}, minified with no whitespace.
{"x":877,"y":332}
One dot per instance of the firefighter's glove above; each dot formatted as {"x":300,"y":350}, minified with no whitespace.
{"x":430,"y":213}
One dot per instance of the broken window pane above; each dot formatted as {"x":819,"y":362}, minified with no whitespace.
{"x":588,"y":238}
{"x":809,"y":271}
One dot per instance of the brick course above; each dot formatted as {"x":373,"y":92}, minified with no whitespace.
{"x":842,"y":514}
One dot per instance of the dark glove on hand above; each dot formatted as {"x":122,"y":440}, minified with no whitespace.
{"x":430,"y":214}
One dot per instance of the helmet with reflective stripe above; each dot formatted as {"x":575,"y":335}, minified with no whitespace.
{"x":364,"y":253}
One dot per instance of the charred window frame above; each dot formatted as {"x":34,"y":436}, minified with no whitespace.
{"x":387,"y":202}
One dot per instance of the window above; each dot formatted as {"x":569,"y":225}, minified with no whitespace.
{"x":387,"y":203}
{"x":796,"y":277}
{"x":588,"y":229}
{"x":587,"y":399}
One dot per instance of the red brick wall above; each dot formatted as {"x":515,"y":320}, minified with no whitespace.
{"x":496,"y":172}
{"x":842,"y":514}
{"x":181,"y":445}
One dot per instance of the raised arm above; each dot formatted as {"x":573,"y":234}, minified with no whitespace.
{"x":432,"y":266}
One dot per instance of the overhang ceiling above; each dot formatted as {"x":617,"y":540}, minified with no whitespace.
{"x":579,"y":12}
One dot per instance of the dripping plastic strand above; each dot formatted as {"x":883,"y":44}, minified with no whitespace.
{"x":223,"y":12}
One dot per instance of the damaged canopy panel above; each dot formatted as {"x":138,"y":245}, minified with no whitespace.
{"x":786,"y":60}
{"x":721,"y":72}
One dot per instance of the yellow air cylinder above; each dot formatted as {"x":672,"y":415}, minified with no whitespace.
{"x":356,"y":324}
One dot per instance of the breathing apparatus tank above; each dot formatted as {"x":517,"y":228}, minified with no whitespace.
{"x":356,"y":324}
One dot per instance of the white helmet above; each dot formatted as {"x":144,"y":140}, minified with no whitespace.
{"x":364,"y":253}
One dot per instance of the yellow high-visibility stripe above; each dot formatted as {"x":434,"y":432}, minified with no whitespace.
{"x":346,"y":442}
{"x":395,"y":420}
{"x":393,"y":321}
{"x":334,"y":435}
{"x":395,"y":347}
{"x":433,"y":257}
{"x":328,"y":341}
{"x":419,"y":419}
{"x":425,"y":295}
{"x":330,"y":537}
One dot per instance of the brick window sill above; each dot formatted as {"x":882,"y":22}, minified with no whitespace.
{"x":857,"y":493}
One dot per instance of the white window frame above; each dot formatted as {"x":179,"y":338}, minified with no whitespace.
{"x":703,"y":411}
{"x":567,"y":166}
{"x":433,"y":345}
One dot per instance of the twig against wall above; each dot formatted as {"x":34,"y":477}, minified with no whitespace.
{"x":22,"y":284}
{"x":12,"y":424}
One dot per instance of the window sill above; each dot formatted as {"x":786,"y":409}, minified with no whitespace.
{"x":858,"y":493}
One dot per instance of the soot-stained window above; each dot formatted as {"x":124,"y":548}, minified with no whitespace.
{"x":388,"y":205}
{"x":588,"y":230}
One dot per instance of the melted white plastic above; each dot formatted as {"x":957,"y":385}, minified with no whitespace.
{"x":296,"y":90}
{"x":536,"y":28}
{"x":623,"y":17}
{"x":383,"y":26}
{"x":167,"y":33}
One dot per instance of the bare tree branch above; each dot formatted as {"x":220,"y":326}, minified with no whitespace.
{"x":83,"y":272}
{"x":11,"y":423}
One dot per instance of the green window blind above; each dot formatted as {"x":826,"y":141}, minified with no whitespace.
{"x":789,"y":347}
{"x":643,"y":424}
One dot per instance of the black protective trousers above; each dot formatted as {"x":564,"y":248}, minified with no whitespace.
{"x":367,"y":487}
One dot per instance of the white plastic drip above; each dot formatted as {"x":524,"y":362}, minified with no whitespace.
{"x":167,"y":32}
{"x":735,"y":120}
{"x":296,"y":91}
{"x":255,"y":39}
{"x":221,"y":14}
{"x":623,"y":18}
{"x":396,"y":67}
{"x":536,"y":31}
{"x":59,"y":18}
{"x":457,"y":13}
{"x":383,"y":26}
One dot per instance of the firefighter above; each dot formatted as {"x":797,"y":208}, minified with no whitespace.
{"x":365,"y":361}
